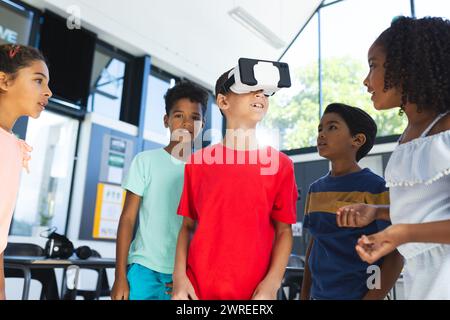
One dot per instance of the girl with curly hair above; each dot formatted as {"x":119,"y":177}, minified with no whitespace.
{"x":24,"y":91}
{"x":410,"y":68}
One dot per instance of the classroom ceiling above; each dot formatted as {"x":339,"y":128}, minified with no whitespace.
{"x":197,"y":39}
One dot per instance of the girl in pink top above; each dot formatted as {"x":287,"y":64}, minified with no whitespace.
{"x":24,"y":91}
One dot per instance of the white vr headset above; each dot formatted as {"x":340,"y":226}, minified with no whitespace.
{"x":254,"y":75}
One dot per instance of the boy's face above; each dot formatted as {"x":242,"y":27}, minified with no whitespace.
{"x":185,"y":117}
{"x":248,"y":107}
{"x":334,"y":140}
{"x":29,"y":90}
{"x":375,"y":81}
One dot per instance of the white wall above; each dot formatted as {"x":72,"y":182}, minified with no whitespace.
{"x":197,"y":38}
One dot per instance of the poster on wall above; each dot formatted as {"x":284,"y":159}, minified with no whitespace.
{"x":117,"y":154}
{"x":116,"y":160}
{"x":108,"y":207}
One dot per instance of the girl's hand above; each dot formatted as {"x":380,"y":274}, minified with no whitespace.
{"x":356,"y":215}
{"x":120,"y":289}
{"x":183,"y":289}
{"x":266,"y":290}
{"x":372,"y":248}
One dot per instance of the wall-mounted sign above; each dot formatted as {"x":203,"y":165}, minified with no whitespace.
{"x":15,"y":24}
{"x":8,"y":35}
{"x":108,"y":207}
{"x":117,"y":154}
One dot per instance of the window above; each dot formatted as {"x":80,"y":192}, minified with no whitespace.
{"x":44,"y":193}
{"x":293,"y":113}
{"x":106,"y":85}
{"x":155,"y":108}
{"x":345,"y":42}
{"x":374,"y":163}
{"x":435,"y":8}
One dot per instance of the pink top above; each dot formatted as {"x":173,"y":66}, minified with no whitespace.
{"x":13,"y":156}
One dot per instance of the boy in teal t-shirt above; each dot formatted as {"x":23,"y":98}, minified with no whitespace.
{"x":153,"y":186}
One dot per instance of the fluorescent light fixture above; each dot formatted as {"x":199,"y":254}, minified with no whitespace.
{"x":251,"y":23}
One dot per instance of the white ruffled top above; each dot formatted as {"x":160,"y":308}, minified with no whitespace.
{"x":418,"y":175}
{"x":423,"y":160}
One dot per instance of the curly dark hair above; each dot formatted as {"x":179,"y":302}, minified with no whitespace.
{"x":15,"y":57}
{"x":418,"y":61}
{"x":358,"y":121}
{"x":189,"y":90}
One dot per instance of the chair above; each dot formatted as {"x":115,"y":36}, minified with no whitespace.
{"x":46,"y":277}
{"x":292,"y":278}
{"x":105,"y":291}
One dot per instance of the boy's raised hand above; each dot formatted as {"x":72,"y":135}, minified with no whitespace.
{"x":120,"y":289}
{"x":372,"y":248}
{"x":356,"y":215}
{"x":183,"y":289}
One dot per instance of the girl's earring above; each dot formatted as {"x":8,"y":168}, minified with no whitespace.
{"x":401,"y":112}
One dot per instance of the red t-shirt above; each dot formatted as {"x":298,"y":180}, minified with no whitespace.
{"x":234,"y":203}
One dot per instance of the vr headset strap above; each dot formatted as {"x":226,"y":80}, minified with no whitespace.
{"x":227,"y":85}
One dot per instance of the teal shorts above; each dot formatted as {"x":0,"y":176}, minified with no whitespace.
{"x":146,"y":284}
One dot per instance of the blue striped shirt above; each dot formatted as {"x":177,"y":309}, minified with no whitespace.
{"x":336,"y":269}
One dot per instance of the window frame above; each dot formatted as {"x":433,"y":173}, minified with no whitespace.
{"x":313,"y":149}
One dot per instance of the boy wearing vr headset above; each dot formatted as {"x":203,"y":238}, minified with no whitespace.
{"x":154,"y":183}
{"x":239,"y":214}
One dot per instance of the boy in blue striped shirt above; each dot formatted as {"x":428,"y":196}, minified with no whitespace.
{"x":333,"y":268}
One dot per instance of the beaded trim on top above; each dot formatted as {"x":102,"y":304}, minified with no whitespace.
{"x":412,"y":183}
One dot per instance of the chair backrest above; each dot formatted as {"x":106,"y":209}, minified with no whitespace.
{"x":24,"y":249}
{"x":46,"y":277}
{"x":296,"y":261}
{"x":105,"y":283}
{"x":89,"y":294}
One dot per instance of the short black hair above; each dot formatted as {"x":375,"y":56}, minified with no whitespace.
{"x":189,"y":90}
{"x":220,"y":86}
{"x":358,"y":121}
{"x":15,"y":57}
{"x":418,"y":61}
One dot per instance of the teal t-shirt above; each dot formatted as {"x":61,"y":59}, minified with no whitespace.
{"x":157,"y":178}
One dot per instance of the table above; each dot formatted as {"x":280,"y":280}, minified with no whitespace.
{"x":27,"y":263}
